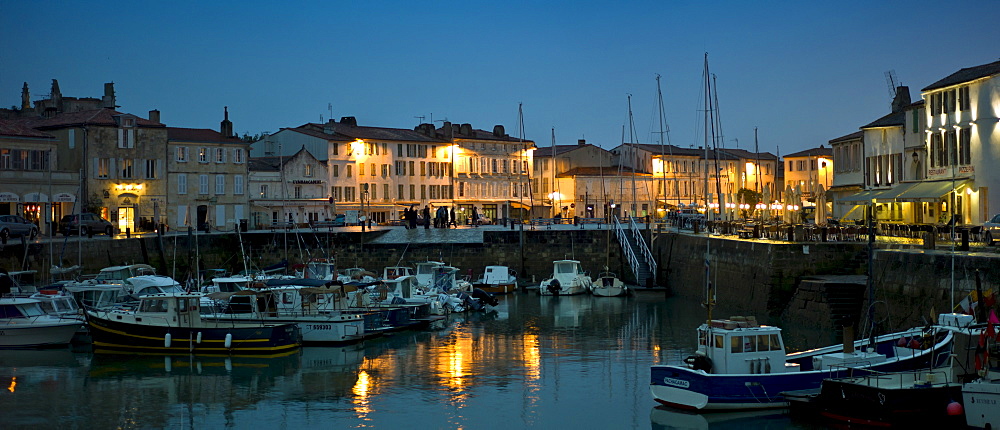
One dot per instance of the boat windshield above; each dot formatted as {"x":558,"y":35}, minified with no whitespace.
{"x":230,"y":287}
{"x":566,"y":268}
{"x":31,"y":310}
{"x":154,"y":305}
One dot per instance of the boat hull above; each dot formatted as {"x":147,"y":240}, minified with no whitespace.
{"x":844,"y":401}
{"x":333,"y":330}
{"x":58,"y":332}
{"x":981,"y":400}
{"x":685,"y":388}
{"x":497,"y":288}
{"x":244,"y":339}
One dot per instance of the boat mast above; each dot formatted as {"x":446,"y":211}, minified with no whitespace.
{"x":554,"y":194}
{"x":635,"y":155}
{"x":709,"y":294}
{"x":664,"y":129}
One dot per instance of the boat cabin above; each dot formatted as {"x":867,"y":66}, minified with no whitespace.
{"x":227,"y":285}
{"x":445,"y":279}
{"x":151,"y":284}
{"x":175,"y":310}
{"x":740,"y":345}
{"x":497,"y":275}
{"x":118,"y":274}
{"x":425,"y":271}
{"x":14,"y":308}
{"x":394,"y":272}
{"x":320,"y":268}
{"x":402,"y":286}
{"x":566,"y":270}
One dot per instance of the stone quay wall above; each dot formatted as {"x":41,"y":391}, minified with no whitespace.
{"x":774,"y":281}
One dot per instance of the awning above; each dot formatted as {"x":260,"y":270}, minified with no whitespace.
{"x":868,"y":196}
{"x":862,"y":197}
{"x":8,"y":197}
{"x":930,"y":191}
{"x":36,"y":197}
{"x":519,"y":205}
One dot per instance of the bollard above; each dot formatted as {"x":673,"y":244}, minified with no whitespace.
{"x":128,"y":232}
{"x":791,"y":234}
{"x":822,"y":234}
{"x":965,"y":241}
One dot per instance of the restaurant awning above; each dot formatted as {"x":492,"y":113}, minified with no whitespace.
{"x":519,"y":205}
{"x":862,"y":197}
{"x":930,"y":191}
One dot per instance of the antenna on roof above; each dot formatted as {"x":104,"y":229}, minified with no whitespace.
{"x":329,"y":107}
{"x":892,"y":82}
{"x":421,"y":118}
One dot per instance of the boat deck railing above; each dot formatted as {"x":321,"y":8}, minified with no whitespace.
{"x":921,"y":377}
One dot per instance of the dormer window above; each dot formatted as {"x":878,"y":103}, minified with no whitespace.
{"x":126,"y":133}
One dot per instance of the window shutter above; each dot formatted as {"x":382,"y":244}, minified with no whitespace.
{"x":97,"y":167}
{"x":121,"y":136}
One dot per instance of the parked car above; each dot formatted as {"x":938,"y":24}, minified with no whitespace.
{"x":991,"y":230}
{"x":91,"y":223}
{"x":16,"y":226}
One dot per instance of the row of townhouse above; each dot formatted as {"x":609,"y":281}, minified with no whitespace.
{"x":63,"y":155}
{"x":929,"y":161}
{"x":381,"y":171}
{"x":646,"y":180}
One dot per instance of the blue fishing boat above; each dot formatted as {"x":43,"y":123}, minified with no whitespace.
{"x":742,"y":365}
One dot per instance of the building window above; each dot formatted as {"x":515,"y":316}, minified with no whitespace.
{"x":964,"y":103}
{"x":126,"y":137}
{"x":182,"y":183}
{"x":423,"y":192}
{"x":336,"y":171}
{"x":128,"y":169}
{"x":349,"y":170}
{"x":238,"y":185}
{"x":361,"y":169}
{"x":413,"y":193}
{"x":385,"y":191}
{"x":150,"y":169}
{"x":411,"y":169}
{"x":220,"y":155}
{"x":373,"y":168}
{"x":238,"y":156}
{"x":182,"y":154}
{"x":220,"y":184}
{"x":103,"y":167}
{"x":202,"y":184}
{"x":298,"y":192}
{"x":964,"y":146}
{"x":423,"y":168}
{"x":385,"y":170}
{"x":202,"y":155}
{"x":308,"y":170}
{"x":399,"y":190}
{"x":263,"y":191}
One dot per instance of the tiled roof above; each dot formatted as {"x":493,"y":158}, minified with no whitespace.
{"x":200,"y":135}
{"x":853,"y":136}
{"x":105,"y":117}
{"x":598,"y":171}
{"x":670,"y":150}
{"x":965,"y":75}
{"x":894,"y":119}
{"x":9,"y":128}
{"x":318,"y":133}
{"x":812,"y":152}
{"x":266,"y":164}
{"x":546,"y":151}
{"x":374,"y":133}
{"x":484,"y":135}
{"x":747,"y":155}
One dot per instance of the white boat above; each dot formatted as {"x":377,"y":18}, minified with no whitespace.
{"x":425,"y":272}
{"x":497,"y":280}
{"x":981,"y":399}
{"x":568,"y":278}
{"x":227,"y":284}
{"x":117,"y":274}
{"x":318,"y":310}
{"x":396,"y":272}
{"x":356,"y":274}
{"x":607,"y":284}
{"x":24,"y":323}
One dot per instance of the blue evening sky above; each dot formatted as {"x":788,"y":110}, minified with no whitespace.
{"x":803,"y":72}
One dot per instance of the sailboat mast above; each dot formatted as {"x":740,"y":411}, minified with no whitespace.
{"x":635,"y":155}
{"x":664,"y":129}
{"x":709,"y":295}
{"x":554,"y":193}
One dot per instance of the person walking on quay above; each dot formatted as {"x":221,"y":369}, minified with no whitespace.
{"x":475,"y":217}
{"x":427,"y":217}
{"x":411,"y":217}
{"x":454,"y":222}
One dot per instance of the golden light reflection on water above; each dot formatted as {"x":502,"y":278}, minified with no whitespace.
{"x":13,"y":383}
{"x":361,"y":394}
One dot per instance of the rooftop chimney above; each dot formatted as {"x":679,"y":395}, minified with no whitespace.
{"x":581,"y":142}
{"x":467,"y":129}
{"x":108,"y":101}
{"x":226,"y":127}
{"x":154,"y":115}
{"x":349,"y":120}
{"x":902,"y":99}
{"x":449,"y":131}
{"x":25,"y":97}
{"x":498,"y":131}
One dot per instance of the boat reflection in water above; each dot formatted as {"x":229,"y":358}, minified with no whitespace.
{"x":664,"y":418}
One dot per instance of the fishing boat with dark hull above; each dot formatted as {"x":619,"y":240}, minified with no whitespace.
{"x":172,"y":324}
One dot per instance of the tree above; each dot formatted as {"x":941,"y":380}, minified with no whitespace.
{"x":250,"y":138}
{"x":748,"y":197}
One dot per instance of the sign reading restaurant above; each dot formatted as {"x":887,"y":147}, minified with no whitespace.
{"x":946,"y":172}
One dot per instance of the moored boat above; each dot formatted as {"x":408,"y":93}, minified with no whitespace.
{"x":24,"y":324}
{"x":497,"y":280}
{"x":567,"y":278}
{"x":172,"y":324}
{"x":742,"y":365}
{"x":607,"y":284}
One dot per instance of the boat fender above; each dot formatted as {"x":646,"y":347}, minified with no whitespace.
{"x":955,"y":409}
{"x":228,"y":363}
{"x":198,"y":339}
{"x":166,"y":341}
{"x":229,"y":340}
{"x":167,"y":364}
{"x":767,"y":366}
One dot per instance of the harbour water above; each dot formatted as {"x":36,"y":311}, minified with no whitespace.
{"x":533,"y":362}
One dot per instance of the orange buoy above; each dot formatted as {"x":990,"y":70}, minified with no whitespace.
{"x":955,"y":409}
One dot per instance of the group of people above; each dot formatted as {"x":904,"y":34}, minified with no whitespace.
{"x":443,"y":217}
